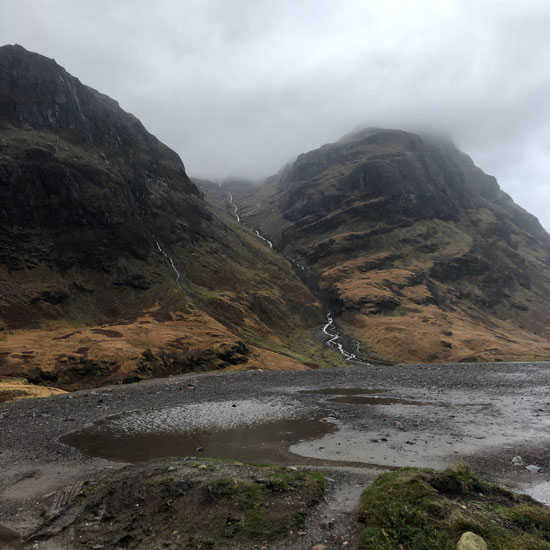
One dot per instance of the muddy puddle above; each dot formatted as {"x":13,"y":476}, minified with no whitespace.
{"x":266,"y":442}
{"x":345,"y":391}
{"x":371,"y":400}
{"x":9,"y":540}
{"x":362,"y":396}
{"x":370,"y":396}
{"x":540,"y":492}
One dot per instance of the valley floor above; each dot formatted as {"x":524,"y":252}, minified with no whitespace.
{"x":373,"y":419}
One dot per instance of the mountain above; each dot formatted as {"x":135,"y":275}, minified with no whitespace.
{"x":112,"y":265}
{"x":418,"y":252}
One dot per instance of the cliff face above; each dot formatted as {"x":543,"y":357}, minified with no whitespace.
{"x":418,"y":250}
{"x":75,"y":165}
{"x":100,"y":224}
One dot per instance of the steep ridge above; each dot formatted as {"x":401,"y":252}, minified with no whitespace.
{"x":112,"y":266}
{"x":419,"y":253}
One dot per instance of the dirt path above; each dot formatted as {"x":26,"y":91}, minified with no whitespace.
{"x":413,"y":415}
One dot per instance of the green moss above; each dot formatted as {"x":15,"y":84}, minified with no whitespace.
{"x":168,"y":480}
{"x":199,"y":509}
{"x":422,"y":509}
{"x":203,"y":293}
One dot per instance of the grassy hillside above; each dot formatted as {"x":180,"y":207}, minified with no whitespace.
{"x":112,"y":266}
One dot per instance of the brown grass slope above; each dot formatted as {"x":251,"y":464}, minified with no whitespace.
{"x":417,"y":250}
{"x":87,"y":197}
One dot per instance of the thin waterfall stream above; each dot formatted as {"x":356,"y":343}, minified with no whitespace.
{"x":235,"y":208}
{"x":173,"y":265}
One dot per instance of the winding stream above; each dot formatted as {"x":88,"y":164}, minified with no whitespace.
{"x":263,"y":238}
{"x":332,"y":332}
{"x":238,"y":218}
{"x":329,"y":329}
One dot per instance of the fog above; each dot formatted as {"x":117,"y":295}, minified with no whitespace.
{"x":239,"y":87}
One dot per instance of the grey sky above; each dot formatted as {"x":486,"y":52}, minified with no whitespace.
{"x":239,"y":87}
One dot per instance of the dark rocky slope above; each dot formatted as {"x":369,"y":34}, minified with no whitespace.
{"x":100,"y":224}
{"x":420,"y":252}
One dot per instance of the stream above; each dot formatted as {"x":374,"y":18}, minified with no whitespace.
{"x":235,"y":208}
{"x":176,"y":271}
{"x":263,"y":238}
{"x":332,"y":332}
{"x":295,"y":262}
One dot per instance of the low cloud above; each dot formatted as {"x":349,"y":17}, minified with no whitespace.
{"x":240,"y":87}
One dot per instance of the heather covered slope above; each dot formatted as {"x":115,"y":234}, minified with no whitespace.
{"x":420,"y":253}
{"x":112,"y":266}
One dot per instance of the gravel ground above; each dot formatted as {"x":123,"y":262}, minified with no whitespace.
{"x":428,"y":415}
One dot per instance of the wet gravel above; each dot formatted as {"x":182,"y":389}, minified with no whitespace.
{"x":429,"y":415}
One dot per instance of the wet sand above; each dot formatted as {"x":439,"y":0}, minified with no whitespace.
{"x":351,"y":422}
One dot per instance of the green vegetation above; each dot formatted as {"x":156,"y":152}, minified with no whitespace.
{"x":234,"y":506}
{"x":427,"y":510}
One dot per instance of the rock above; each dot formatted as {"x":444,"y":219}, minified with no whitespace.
{"x":517,"y":461}
{"x":319,"y":547}
{"x":532,"y":469}
{"x":471,"y":541}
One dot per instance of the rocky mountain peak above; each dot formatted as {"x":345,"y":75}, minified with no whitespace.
{"x":37,"y":94}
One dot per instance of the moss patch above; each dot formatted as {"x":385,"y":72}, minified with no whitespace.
{"x":423,"y":510}
{"x":175,"y":504}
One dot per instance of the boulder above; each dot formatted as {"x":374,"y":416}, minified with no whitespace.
{"x":471,"y":541}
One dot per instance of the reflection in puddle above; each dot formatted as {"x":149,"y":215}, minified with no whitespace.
{"x":361,"y":396}
{"x":10,"y":540}
{"x":263,"y":443}
{"x":365,"y":400}
{"x":344,"y":391}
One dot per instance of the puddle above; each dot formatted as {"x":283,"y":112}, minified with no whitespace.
{"x":266,"y":442}
{"x":540,"y":492}
{"x":344,"y":391}
{"x":362,"y":396}
{"x":366,"y":400}
{"x":9,"y":540}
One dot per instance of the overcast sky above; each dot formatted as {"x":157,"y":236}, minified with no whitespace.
{"x":239,"y":87}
